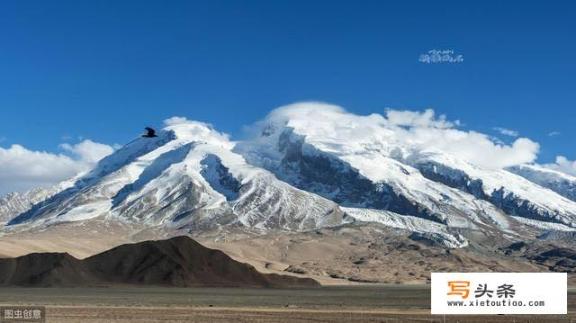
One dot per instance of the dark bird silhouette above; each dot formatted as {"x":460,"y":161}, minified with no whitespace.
{"x":150,"y":133}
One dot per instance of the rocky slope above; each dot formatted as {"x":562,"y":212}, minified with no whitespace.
{"x":17,"y":203}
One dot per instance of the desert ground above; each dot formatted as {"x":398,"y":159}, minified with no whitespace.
{"x":384,"y":303}
{"x":346,"y":255}
{"x":367,"y":276}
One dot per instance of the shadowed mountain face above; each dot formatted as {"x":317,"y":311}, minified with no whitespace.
{"x":45,"y":270}
{"x":178,"y":262}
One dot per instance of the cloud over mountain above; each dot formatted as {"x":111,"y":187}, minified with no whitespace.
{"x":563,"y":165}
{"x":414,"y":130}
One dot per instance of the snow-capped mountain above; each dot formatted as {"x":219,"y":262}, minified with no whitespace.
{"x":16,"y":203}
{"x":560,"y":183}
{"x":304,"y":169}
{"x":363,"y":165}
{"x":186,"y":177}
{"x":509,"y":192}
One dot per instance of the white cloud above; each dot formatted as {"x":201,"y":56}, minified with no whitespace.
{"x":88,"y":151}
{"x":563,"y":165}
{"x":553,"y":133}
{"x":418,"y":119}
{"x":507,"y":132}
{"x":176,"y":121}
{"x":417,"y":131}
{"x":23,"y":169}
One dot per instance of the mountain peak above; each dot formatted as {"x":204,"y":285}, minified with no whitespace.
{"x":310,"y":166}
{"x":196,"y":131}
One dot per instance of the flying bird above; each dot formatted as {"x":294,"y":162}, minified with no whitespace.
{"x":150,"y":133}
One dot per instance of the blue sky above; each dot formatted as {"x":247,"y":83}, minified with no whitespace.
{"x":104,"y":69}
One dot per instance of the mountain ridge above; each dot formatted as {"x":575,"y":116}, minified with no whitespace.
{"x":295,"y":174}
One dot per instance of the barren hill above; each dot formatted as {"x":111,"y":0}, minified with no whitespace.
{"x":178,"y":262}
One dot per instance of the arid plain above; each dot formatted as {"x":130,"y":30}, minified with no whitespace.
{"x":383,"y":303}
